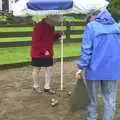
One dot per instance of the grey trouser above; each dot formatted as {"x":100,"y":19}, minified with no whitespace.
{"x":109,"y":90}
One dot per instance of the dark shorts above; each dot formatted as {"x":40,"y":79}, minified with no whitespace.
{"x":42,"y":62}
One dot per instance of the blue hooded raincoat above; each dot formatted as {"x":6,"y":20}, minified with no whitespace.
{"x":100,"y":52}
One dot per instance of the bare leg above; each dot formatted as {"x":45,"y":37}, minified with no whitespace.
{"x":48,"y":76}
{"x":35,"y":75}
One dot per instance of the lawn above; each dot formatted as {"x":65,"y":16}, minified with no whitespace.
{"x":22,"y":54}
{"x":29,"y":29}
{"x":15,"y":29}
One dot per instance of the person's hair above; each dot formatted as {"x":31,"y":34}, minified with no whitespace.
{"x":94,"y":12}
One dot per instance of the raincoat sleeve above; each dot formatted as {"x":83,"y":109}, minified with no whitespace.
{"x":86,"y":49}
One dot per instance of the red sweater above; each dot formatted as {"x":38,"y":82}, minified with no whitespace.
{"x":43,"y":38}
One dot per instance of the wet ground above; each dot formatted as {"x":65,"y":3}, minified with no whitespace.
{"x":19,"y":102}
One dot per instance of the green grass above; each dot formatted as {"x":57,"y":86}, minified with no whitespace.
{"x":28,"y":38}
{"x":2,"y":18}
{"x":25,"y":29}
{"x":20,"y":29}
{"x":22,"y":54}
{"x":15,"y":39}
{"x":15,"y":29}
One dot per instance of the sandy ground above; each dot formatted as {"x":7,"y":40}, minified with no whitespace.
{"x":19,"y":102}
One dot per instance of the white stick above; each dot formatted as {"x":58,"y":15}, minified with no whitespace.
{"x":62,"y":58}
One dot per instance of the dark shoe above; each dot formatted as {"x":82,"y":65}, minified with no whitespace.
{"x":49,"y":91}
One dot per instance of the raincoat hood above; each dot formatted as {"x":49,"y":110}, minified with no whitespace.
{"x":104,"y":24}
{"x":105,"y":17}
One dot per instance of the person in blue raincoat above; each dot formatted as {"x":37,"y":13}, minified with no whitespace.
{"x":100,"y":61}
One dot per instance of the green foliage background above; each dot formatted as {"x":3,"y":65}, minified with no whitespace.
{"x":114,"y":5}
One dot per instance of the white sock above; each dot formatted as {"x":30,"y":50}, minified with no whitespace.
{"x":35,"y":75}
{"x":48,"y":76}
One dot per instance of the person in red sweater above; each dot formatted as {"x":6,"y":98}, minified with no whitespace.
{"x":43,"y":39}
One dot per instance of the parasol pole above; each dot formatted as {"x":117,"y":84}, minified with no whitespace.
{"x":62,"y":54}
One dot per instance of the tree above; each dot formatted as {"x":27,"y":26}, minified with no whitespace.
{"x":114,"y":8}
{"x":114,"y":5}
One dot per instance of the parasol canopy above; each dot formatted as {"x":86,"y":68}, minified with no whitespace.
{"x":47,"y":7}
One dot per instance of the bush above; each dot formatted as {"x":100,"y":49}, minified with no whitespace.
{"x":114,"y":7}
